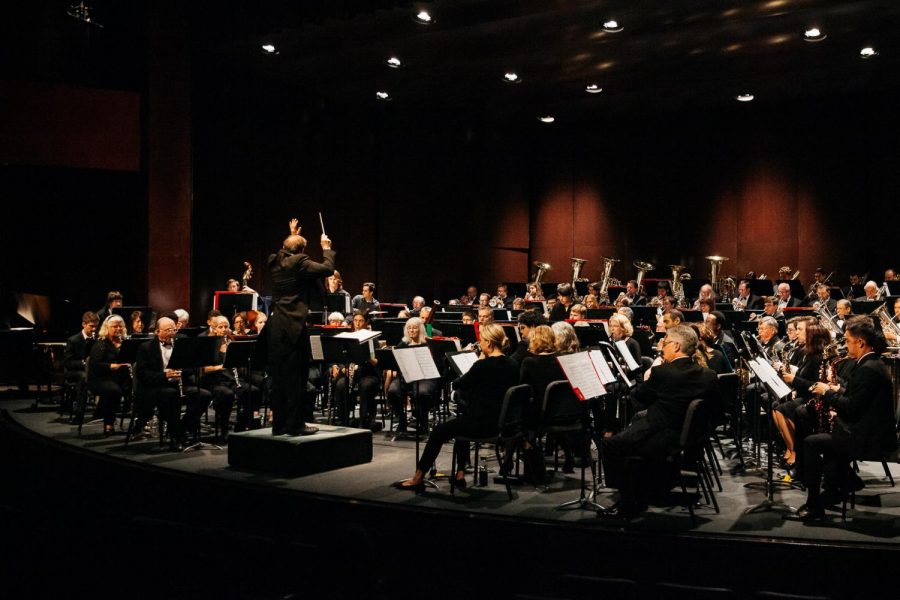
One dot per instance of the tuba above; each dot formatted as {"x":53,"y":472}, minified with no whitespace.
{"x":577,"y":264}
{"x":887,"y":322}
{"x":642,"y":268}
{"x":715,"y":266}
{"x":677,"y":286}
{"x":542,"y":268}
{"x":608,"y":264}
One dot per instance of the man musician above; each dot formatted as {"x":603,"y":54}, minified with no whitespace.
{"x":863,"y":427}
{"x":784,"y":297}
{"x":823,"y":298}
{"x":74,"y":356}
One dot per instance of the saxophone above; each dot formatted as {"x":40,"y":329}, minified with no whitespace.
{"x":824,"y":416}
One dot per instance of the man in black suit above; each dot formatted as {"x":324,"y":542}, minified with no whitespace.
{"x":633,"y":294}
{"x":784,"y":297}
{"x":863,"y":428}
{"x":747,"y":299}
{"x":666,"y":394}
{"x":74,"y":355}
{"x":295,"y":278}
{"x":823,"y":298}
{"x":157,"y":386}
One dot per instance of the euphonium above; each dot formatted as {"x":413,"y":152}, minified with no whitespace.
{"x":887,"y":323}
{"x":577,"y":264}
{"x":642,"y":267}
{"x":715,"y":265}
{"x":608,"y":264}
{"x":542,"y":268}
{"x":677,"y":286}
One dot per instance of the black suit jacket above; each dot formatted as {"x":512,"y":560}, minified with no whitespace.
{"x":75,"y":353}
{"x":866,"y":410}
{"x":671,"y":388}
{"x":148,"y":370}
{"x":754,"y":302}
{"x":792,"y":302}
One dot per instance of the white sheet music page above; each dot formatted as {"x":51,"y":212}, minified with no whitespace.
{"x":582,"y":376}
{"x":464,"y":361}
{"x":416,"y":364}
{"x":626,"y":353}
{"x":315,"y":345}
{"x":602,"y":367}
{"x":768,"y":375}
{"x":363,"y":335}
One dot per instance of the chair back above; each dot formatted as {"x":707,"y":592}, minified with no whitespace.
{"x":512,"y":412}
{"x":696,"y":425}
{"x":561,"y":406}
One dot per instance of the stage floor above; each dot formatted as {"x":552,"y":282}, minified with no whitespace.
{"x":875,"y":521}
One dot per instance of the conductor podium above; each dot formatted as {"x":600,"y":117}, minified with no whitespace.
{"x":331,"y":448}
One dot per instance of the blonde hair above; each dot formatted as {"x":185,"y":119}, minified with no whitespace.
{"x":104,"y":329}
{"x":541,"y":340}
{"x":494,"y":335}
{"x":623,"y":322}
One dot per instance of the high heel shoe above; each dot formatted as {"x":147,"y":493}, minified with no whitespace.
{"x":416,"y":487}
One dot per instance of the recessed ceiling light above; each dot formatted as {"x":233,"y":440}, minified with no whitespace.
{"x":547,"y":119}
{"x":394,"y":62}
{"x":868,"y":52}
{"x":269,"y":49}
{"x":744,"y":97}
{"x":511,"y":77}
{"x":382,"y":95}
{"x":612,"y":26}
{"x":593,"y":88}
{"x":814,"y":34}
{"x":424,"y":17}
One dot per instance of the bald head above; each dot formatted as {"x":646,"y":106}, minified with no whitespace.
{"x":295,"y":243}
{"x":165,"y":329}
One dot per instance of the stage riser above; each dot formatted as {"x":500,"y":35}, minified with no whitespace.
{"x":331,"y":448}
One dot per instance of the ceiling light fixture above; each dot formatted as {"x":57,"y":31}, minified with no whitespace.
{"x":82,"y":12}
{"x":511,"y":77}
{"x":612,"y":26}
{"x":547,"y":119}
{"x":423,"y":17}
{"x":393,"y":62}
{"x":593,"y":88}
{"x":744,"y":97}
{"x":814,"y":34}
{"x":383,"y":96}
{"x":269,"y":49}
{"x":868,"y":52}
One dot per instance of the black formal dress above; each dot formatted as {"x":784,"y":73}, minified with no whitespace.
{"x":665,"y":396}
{"x":481,"y":397}
{"x":154,"y":390}
{"x":863,"y":429}
{"x":109,"y":385}
{"x":296,"y":281}
{"x":538,"y":371}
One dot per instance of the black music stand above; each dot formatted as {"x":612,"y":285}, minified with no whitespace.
{"x":240,"y":355}
{"x":339,"y":303}
{"x":590,"y":336}
{"x":415,"y":378}
{"x":392,"y":331}
{"x":231,"y":303}
{"x":464,"y":331}
{"x":194,"y":354}
{"x":761,"y":287}
{"x":645,"y":315}
{"x":863,"y":307}
{"x":343,"y":351}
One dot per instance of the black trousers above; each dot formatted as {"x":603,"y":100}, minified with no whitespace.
{"x":824,"y":452}
{"x":642,"y":439}
{"x":368,"y":392}
{"x":423,"y":394}
{"x":109,"y":394}
{"x":291,"y":405}
{"x":167,"y":400}
{"x":78,"y":380}
{"x":446,"y":431}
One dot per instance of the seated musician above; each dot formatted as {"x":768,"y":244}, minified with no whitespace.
{"x":671,"y":318}
{"x":785,"y":300}
{"x":470,"y":297}
{"x":791,"y":416}
{"x":423,"y":393}
{"x":527,"y":321}
{"x":518,"y":303}
{"x":770,"y":309}
{"x":258,"y":322}
{"x":502,"y":299}
{"x":665,"y":395}
{"x":747,"y":300}
{"x":723,"y":338}
{"x":184,"y":318}
{"x":563,"y":304}
{"x":706,"y":293}
{"x":366,"y":301}
{"x":708,"y":353}
{"x":621,"y":329}
{"x":468,"y":317}
{"x":889,"y":275}
{"x":485,"y":315}
{"x":226,"y":387}
{"x":863,"y":428}
{"x":336,"y":319}
{"x":823,"y":298}
{"x":481,"y":396}
{"x":662,"y":290}
{"x":364,"y":378}
{"x":889,"y":335}
{"x":239,"y":323}
{"x":158,"y":387}
{"x":591,"y":302}
{"x":871,"y":289}
{"x":706,"y":306}
{"x":417,"y":303}
{"x":843,"y":310}
{"x":539,"y":369}
{"x":534,"y":293}
{"x":335,"y":284}
{"x":626,"y":312}
{"x":233,"y":285}
{"x":107,"y":378}
{"x":767,"y":332}
{"x":137,"y":324}
{"x":484,"y":300}
{"x":578,"y":313}
{"x":73,"y":360}
{"x":633,"y":294}
{"x":114,"y":299}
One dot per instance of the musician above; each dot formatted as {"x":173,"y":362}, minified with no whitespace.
{"x":485,"y":315}
{"x":626,"y":312}
{"x":863,"y":428}
{"x":889,"y":335}
{"x":423,"y":393}
{"x":666,"y":394}
{"x":706,"y":293}
{"x":564,"y":301}
{"x":157,"y":386}
{"x":295,"y":278}
{"x":336,"y":319}
{"x":481,"y":397}
{"x":257,"y":322}
{"x":791,"y":416}
{"x":107,"y":378}
{"x":527,"y":321}
{"x":551,"y":303}
{"x":889,"y":275}
{"x":591,"y":302}
{"x":534,"y":293}
{"x":633,"y":294}
{"x":538,"y":370}
{"x":233,"y":285}
{"x":365,"y":379}
{"x":871,"y":289}
{"x":708,"y":353}
{"x":366,"y":301}
{"x":114,"y":299}
{"x":784,"y":297}
{"x":226,"y":388}
{"x":842,"y":309}
{"x":518,"y":303}
{"x":746,"y":299}
{"x":818,"y":277}
{"x":183,"y":318}
{"x":239,"y":323}
{"x":672,"y":318}
{"x":74,"y":356}
{"x":621,"y":329}
{"x":767,"y":332}
{"x":471,"y":296}
{"x":468,"y":317}
{"x":484,"y":300}
{"x":503,"y":296}
{"x":662,"y":290}
{"x":724,"y":340}
{"x":823,"y":298}
{"x":335,"y":284}
{"x":706,"y":306}
{"x":578,"y":313}
{"x":417,"y":303}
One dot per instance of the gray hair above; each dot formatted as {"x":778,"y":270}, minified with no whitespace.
{"x":685,"y":337}
{"x":627,"y":312}
{"x":422,"y":336}
{"x":769,"y":322}
{"x":335,"y":316}
{"x":566,"y":340}
{"x":182,"y":314}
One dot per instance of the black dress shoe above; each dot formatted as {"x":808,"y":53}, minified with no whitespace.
{"x":305,"y":430}
{"x":621,"y":510}
{"x":418,"y":487}
{"x":460,"y":483}
{"x":808,"y":514}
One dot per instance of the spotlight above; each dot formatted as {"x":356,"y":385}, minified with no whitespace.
{"x":393,"y":62}
{"x":383,"y":96}
{"x":813,"y":34}
{"x":744,"y":97}
{"x":547,"y":119}
{"x":269,"y":49}
{"x":612,"y":26}
{"x":511,"y":77}
{"x":868,"y":52}
{"x":593,"y":88}
{"x":424,"y":18}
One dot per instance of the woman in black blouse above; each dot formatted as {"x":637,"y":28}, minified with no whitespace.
{"x":482,"y":390}
{"x":108,"y":379}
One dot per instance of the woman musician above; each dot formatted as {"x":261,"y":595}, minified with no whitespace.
{"x":422,"y":392}
{"x":364,"y":377}
{"x":225,"y":385}
{"x":534,"y":293}
{"x":108,"y":378}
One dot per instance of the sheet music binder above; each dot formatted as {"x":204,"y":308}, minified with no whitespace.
{"x":416,"y":363}
{"x":462,"y":361}
{"x":194,"y":353}
{"x":582,"y":376}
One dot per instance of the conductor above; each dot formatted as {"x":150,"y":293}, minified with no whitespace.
{"x":294,"y":277}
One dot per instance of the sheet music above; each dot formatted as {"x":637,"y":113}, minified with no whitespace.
{"x":416,"y":363}
{"x":769,"y":376}
{"x":315,"y":345}
{"x":361,"y":336}
{"x":582,"y":376}
{"x":626,"y":354}
{"x":372,"y":348}
{"x":602,"y":367}
{"x":463,"y":361}
{"x":346,"y":304}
